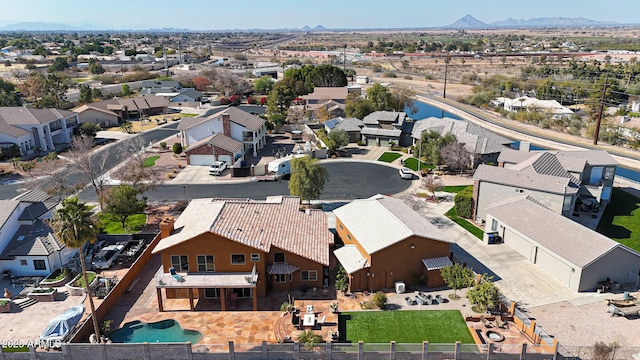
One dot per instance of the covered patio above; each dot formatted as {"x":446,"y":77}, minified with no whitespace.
{"x":220,"y":284}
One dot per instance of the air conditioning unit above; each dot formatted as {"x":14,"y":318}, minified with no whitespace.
{"x":400,"y":287}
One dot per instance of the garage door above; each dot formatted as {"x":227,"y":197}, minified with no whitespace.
{"x":553,"y":266}
{"x":384,"y":142}
{"x":372,"y":141}
{"x":225,"y":158}
{"x":202,"y":160}
{"x":517,"y":243}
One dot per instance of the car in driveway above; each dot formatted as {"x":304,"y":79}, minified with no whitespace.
{"x":217,"y":168}
{"x":405,"y":173}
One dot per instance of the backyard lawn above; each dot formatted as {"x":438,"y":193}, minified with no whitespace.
{"x":150,"y":161}
{"x":621,"y":219}
{"x":454,"y":189}
{"x":389,"y":157}
{"x":435,"y":326}
{"x":133,"y":224}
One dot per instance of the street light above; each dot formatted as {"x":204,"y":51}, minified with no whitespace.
{"x":185,"y":187}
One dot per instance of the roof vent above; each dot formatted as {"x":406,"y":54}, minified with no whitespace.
{"x":21,"y":237}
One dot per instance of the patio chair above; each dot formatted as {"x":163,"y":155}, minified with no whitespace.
{"x":233,"y":301}
{"x":501,"y":324}
{"x":322,"y":320}
{"x":485,"y":322}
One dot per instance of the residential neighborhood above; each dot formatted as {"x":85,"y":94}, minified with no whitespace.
{"x":464,"y":192}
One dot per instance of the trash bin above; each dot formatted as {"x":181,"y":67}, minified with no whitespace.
{"x":491,"y":238}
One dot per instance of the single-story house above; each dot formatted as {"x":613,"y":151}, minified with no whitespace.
{"x":131,"y":107}
{"x":556,"y":110}
{"x":575,"y":255}
{"x":232,"y":122}
{"x":386,"y":241}
{"x":220,"y":247}
{"x":351,"y":126}
{"x":321,"y":95}
{"x":98,"y":116}
{"x":484,"y":145}
{"x":30,"y":129}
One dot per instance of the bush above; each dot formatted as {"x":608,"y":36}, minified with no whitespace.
{"x":177,"y":148}
{"x":389,"y":74}
{"x":163,"y":145}
{"x":408,"y":77}
{"x":361,"y":143}
{"x":464,"y":203}
{"x":380,"y":300}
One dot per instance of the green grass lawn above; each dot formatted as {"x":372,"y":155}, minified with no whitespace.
{"x":412,"y":163}
{"x":389,"y":157}
{"x":187,"y":115}
{"x":150,"y":161}
{"x":454,"y":189}
{"x":435,"y":326}
{"x":621,"y":219}
{"x":453,"y":215}
{"x":133,"y":224}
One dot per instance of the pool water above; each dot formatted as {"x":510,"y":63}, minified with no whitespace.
{"x":162,"y":331}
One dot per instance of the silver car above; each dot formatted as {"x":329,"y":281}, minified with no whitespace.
{"x":406,"y":173}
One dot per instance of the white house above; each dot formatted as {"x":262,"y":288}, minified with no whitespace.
{"x":532,"y":104}
{"x":232,"y":122}
{"x":27,"y":244}
{"x":31,"y":129}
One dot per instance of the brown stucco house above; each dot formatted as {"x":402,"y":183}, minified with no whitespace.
{"x":240,"y":248}
{"x":386,"y":241}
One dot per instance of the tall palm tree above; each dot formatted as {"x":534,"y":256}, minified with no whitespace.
{"x":74,"y":225}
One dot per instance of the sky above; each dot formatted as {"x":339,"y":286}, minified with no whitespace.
{"x":277,"y":14}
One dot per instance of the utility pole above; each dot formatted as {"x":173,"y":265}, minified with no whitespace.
{"x":344,"y":59}
{"x":598,"y":122}
{"x":446,"y":71}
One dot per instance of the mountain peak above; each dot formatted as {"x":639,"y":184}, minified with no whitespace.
{"x":467,"y":22}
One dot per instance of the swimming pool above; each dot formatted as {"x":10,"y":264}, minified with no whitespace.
{"x":162,"y":331}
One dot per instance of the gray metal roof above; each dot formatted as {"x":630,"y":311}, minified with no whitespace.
{"x":351,"y":259}
{"x":380,"y":132}
{"x":437,"y":263}
{"x":525,"y":179}
{"x":33,"y":195}
{"x":381,"y":221}
{"x":567,"y":239}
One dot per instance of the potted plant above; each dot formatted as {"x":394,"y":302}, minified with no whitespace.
{"x":5,"y":305}
{"x":333,"y":307}
{"x":289,"y":305}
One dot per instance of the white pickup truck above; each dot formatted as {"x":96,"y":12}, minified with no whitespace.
{"x":217,"y":168}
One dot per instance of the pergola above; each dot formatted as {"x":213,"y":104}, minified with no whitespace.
{"x":220,"y":281}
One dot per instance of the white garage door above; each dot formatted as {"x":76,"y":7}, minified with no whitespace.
{"x":553,"y":266}
{"x":202,"y":160}
{"x":372,"y":141}
{"x":517,"y":243}
{"x":225,"y":158}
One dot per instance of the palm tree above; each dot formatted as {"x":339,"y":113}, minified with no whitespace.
{"x":74,"y":225}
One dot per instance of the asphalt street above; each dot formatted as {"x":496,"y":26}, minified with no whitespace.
{"x":347,"y":181}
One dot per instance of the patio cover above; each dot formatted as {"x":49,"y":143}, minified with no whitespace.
{"x":205,"y":280}
{"x":437,"y":263}
{"x":281,"y":269}
{"x":351,"y":258}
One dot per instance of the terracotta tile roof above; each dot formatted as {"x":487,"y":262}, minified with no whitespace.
{"x":276,"y":221}
{"x":236,"y":115}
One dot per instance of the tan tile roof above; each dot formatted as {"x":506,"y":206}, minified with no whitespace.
{"x":327,"y":93}
{"x":525,"y":179}
{"x":21,"y":115}
{"x":225,"y":142}
{"x":562,"y":236}
{"x":276,"y":221}
{"x":236,"y":115}
{"x":86,"y":107}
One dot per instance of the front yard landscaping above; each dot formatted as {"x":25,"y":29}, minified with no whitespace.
{"x":453,"y":215}
{"x":435,"y":326}
{"x":389,"y":157}
{"x":412,"y":163}
{"x":621,"y":219}
{"x":134,"y":224}
{"x":150,"y":161}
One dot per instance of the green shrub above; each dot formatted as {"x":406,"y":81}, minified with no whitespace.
{"x":380,"y":300}
{"x":464,"y":203}
{"x":177,"y":148}
{"x":163,"y":145}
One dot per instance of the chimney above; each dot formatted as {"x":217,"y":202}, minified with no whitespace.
{"x":166,"y":227}
{"x":226,"y":124}
{"x":525,"y":146}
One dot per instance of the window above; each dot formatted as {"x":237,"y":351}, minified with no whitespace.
{"x":568,"y":201}
{"x":255,"y":257}
{"x":39,"y":265}
{"x":519,"y":191}
{"x":278,"y":257}
{"x":23,"y":262}
{"x":206,"y":263}
{"x":349,"y":236}
{"x":280,"y":278}
{"x":494,"y":225}
{"x":608,"y":173}
{"x":341,"y":228}
{"x":180,"y":262}
{"x":238,"y":259}
{"x":242,"y":292}
{"x":309,"y":275}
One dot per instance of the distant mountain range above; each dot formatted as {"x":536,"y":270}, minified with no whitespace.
{"x":466,"y":22}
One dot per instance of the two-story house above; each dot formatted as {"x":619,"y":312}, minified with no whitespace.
{"x":216,"y":137}
{"x":386,"y":241}
{"x":27,"y":244}
{"x":220,"y":247}
{"x":31,"y":129}
{"x":384,"y":127}
{"x":553,"y":178}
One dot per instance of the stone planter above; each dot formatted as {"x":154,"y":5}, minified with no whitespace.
{"x":55,"y":283}
{"x":43,"y":297}
{"x":75,"y":290}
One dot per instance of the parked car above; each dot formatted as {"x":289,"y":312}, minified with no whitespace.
{"x":406,"y":173}
{"x":107,"y":256}
{"x":217,"y":168}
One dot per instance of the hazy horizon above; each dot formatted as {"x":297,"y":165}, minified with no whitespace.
{"x":272,"y":14}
